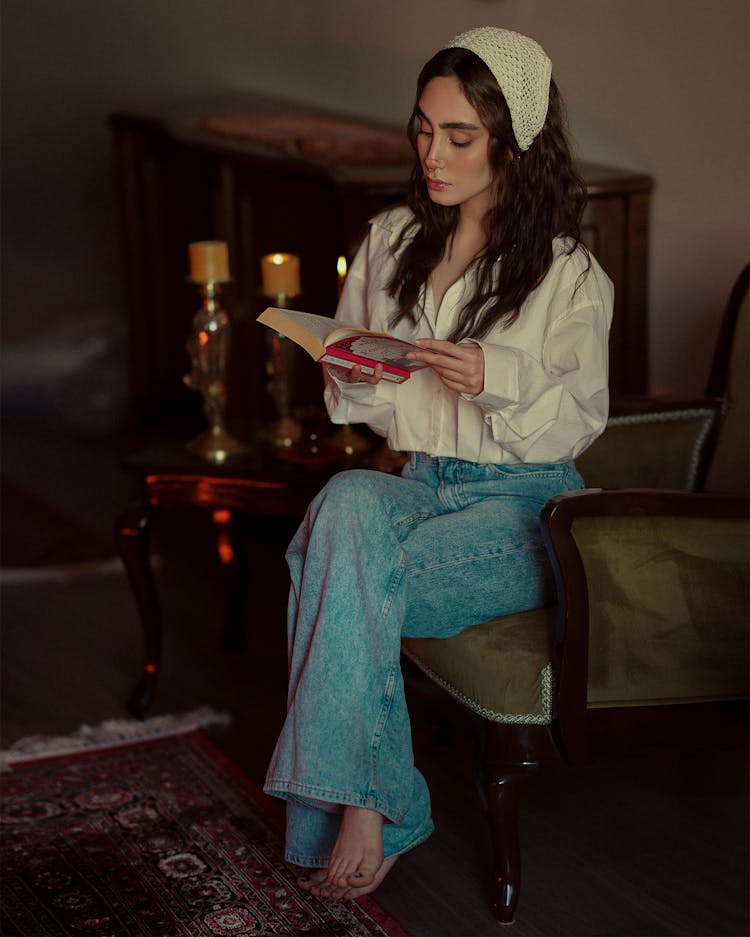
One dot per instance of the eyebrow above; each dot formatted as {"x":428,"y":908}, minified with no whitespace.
{"x":451,"y":124}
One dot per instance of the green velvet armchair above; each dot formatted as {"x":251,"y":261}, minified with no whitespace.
{"x":651,"y":565}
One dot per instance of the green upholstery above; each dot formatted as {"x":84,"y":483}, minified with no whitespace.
{"x":500,"y":669}
{"x":730,"y":468}
{"x":648,"y":450}
{"x":661,"y":589}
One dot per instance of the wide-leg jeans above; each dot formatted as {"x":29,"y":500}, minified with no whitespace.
{"x":448,"y":545}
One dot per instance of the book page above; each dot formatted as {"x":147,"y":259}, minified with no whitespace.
{"x":307,"y":330}
{"x":316,"y":333}
{"x":382,"y":348}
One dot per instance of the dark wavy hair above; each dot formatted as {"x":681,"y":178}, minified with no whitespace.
{"x":539,"y":196}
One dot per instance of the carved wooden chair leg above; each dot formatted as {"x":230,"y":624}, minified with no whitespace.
{"x":512,"y":756}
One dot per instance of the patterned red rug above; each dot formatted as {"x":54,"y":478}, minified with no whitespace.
{"x":163,"y":837}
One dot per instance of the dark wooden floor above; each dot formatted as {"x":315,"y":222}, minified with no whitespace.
{"x":649,"y":839}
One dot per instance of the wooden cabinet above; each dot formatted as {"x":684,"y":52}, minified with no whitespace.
{"x":615,"y":228}
{"x":179,"y":182}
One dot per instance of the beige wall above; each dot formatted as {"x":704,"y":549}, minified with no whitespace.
{"x":660,"y":86}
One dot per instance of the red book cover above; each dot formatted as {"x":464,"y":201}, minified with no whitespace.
{"x":369,"y":350}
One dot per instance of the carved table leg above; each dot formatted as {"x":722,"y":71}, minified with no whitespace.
{"x":132,"y":535}
{"x":231,"y":540}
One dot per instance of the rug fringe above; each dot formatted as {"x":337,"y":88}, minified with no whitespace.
{"x":110,"y":733}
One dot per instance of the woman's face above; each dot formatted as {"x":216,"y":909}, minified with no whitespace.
{"x":453,"y":148}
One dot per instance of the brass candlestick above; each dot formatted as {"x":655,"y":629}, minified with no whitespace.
{"x":208,"y":347}
{"x":351,"y":442}
{"x":285,"y":430}
{"x":280,"y":277}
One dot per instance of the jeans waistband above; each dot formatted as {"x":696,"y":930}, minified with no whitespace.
{"x":422,"y":458}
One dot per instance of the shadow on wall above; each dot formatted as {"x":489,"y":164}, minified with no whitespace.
{"x":73,"y":376}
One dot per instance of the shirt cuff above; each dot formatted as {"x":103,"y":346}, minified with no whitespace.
{"x":345,"y":401}
{"x":500,"y":377}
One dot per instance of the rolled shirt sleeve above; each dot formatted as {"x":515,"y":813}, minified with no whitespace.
{"x":537,"y":405}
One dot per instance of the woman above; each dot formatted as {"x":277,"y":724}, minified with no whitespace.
{"x":485,"y":273}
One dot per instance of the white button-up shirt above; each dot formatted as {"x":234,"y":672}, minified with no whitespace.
{"x":545,"y":396}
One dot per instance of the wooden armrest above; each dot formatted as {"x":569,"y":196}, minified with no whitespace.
{"x":572,"y":630}
{"x":560,"y":511}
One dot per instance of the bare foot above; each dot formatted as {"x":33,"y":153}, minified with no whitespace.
{"x":315,"y":882}
{"x":312,"y":879}
{"x":357,"y":855}
{"x":384,"y":869}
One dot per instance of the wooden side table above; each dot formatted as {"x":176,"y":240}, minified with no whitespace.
{"x":258,"y":483}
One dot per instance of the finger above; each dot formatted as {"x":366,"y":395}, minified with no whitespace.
{"x":437,"y":344}
{"x":341,"y":374}
{"x":357,"y":376}
{"x":460,"y":381}
{"x":370,"y":378}
{"x":458,"y":371}
{"x":438,"y":359}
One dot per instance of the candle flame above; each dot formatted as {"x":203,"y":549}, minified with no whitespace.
{"x":278,"y":259}
{"x":341,"y":266}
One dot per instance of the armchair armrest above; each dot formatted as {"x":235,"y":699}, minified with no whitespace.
{"x":652,"y":600}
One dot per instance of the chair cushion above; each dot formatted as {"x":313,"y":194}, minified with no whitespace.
{"x":501,"y":669}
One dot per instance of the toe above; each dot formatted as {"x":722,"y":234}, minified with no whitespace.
{"x":340,"y":871}
{"x":312,"y":879}
{"x":360,"y":888}
{"x":365,"y":873}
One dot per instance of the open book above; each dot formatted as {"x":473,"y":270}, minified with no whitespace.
{"x":330,"y":343}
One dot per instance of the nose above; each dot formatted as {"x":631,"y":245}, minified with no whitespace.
{"x":434,"y":158}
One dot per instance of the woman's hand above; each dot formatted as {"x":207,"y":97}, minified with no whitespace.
{"x":459,"y":367}
{"x":353,"y":375}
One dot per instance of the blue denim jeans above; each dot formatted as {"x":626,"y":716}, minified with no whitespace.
{"x":448,"y":545}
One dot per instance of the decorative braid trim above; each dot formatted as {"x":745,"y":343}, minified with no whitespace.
{"x":696,"y":413}
{"x":545,"y":717}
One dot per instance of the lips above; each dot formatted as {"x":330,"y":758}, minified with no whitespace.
{"x":437,"y":185}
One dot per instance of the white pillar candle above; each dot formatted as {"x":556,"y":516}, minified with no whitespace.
{"x":209,"y":260}
{"x":280,"y":274}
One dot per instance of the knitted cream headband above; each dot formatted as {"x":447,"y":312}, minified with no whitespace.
{"x":522,"y":70}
